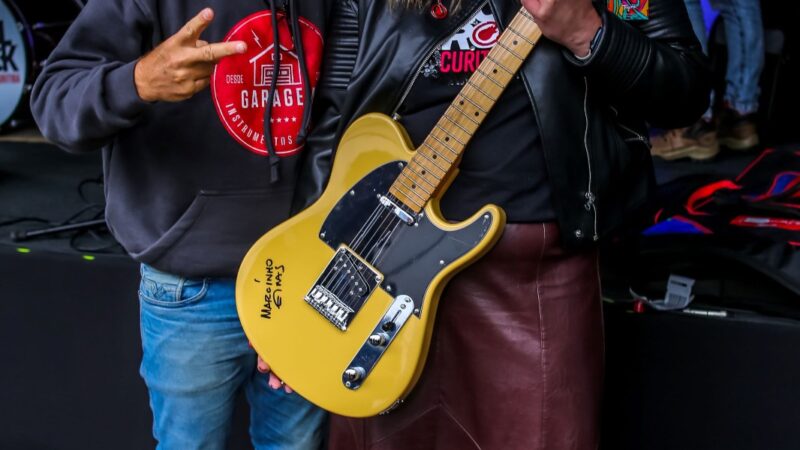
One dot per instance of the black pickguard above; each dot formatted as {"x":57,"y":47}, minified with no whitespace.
{"x":415,"y":253}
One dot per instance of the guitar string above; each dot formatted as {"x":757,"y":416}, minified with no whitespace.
{"x":339,"y":283}
{"x":362,"y":232}
{"x":381,"y":240}
{"x":386,"y":215}
{"x":352,"y":297}
{"x":373,"y":237}
{"x":386,"y":244}
{"x":341,"y":291}
{"x":326,"y":281}
{"x":342,"y":278}
{"x":391,"y":197}
{"x":371,"y":230}
{"x":375,"y":232}
{"x":343,"y":282}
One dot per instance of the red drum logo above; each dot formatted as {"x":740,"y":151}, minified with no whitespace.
{"x":240,"y":83}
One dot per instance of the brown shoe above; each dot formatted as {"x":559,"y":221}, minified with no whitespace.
{"x":737,"y":131}
{"x":698,"y":142}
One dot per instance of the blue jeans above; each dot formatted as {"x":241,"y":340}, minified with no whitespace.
{"x":195,"y":360}
{"x":744,"y":34}
{"x":695,"y":10}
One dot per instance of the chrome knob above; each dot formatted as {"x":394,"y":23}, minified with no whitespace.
{"x":354,"y":373}
{"x":378,"y":339}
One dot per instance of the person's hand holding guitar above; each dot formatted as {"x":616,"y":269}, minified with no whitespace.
{"x":181,"y":66}
{"x":274,"y":382}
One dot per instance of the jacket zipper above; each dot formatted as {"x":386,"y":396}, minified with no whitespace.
{"x":636,"y":136}
{"x":590,"y":205}
{"x":424,"y":60}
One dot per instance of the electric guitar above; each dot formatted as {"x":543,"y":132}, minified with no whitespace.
{"x":340,"y":300}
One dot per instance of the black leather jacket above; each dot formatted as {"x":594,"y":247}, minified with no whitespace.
{"x":592,"y":115}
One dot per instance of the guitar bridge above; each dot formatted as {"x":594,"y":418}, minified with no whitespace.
{"x":343,"y":287}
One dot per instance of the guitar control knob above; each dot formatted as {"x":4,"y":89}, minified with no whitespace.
{"x":378,"y":339}
{"x":354,"y":373}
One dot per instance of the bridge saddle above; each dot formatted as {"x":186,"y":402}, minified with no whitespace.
{"x":343,"y":287}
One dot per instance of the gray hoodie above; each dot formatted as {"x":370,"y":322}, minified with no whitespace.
{"x":182,"y":195}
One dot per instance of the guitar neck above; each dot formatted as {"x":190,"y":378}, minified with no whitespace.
{"x":439,"y":154}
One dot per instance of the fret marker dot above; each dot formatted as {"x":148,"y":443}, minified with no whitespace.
{"x":447,"y":139}
{"x":494,"y":71}
{"x":461,"y":103}
{"x":477,"y":114}
{"x":413,"y":186}
{"x":515,"y":42}
{"x":423,"y":172}
{"x":434,"y":156}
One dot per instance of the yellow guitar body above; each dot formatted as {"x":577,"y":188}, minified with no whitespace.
{"x":304,"y":347}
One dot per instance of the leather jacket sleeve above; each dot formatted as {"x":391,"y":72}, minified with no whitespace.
{"x":653,"y":69}
{"x":340,"y":56}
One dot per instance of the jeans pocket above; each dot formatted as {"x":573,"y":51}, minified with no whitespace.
{"x":170,"y":291}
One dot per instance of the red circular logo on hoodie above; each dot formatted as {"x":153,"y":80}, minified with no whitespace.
{"x":240,"y":83}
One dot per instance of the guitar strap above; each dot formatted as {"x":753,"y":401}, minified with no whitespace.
{"x":289,"y":9}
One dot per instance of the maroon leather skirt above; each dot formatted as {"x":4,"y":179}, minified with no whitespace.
{"x":516,"y":360}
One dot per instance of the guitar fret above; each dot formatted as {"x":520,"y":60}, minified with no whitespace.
{"x":498,"y":64}
{"x":413,"y":167}
{"x":412,"y":189}
{"x":415,"y":182}
{"x":469,"y":82}
{"x":397,"y":192}
{"x":451,"y":135}
{"x":524,"y":12}
{"x":457,"y":124}
{"x":521,"y":36}
{"x":510,"y":51}
{"x":486,"y":75}
{"x":463,"y":113}
{"x":477,"y":106}
{"x":412,"y":205}
{"x":444,"y":172}
{"x":437,"y":153}
{"x":442,"y":144}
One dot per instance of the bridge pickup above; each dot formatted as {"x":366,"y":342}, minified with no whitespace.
{"x":343,"y":287}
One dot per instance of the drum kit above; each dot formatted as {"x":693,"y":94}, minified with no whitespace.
{"x":29,"y":31}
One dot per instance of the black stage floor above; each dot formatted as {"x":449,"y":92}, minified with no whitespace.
{"x":44,"y":186}
{"x":69,"y":316}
